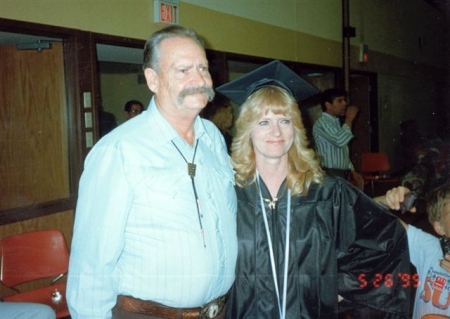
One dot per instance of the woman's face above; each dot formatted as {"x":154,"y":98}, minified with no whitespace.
{"x":272,"y":136}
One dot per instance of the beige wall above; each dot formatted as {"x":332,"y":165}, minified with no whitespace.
{"x":296,"y":30}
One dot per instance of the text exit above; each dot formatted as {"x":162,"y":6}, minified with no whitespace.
{"x":166,"y":11}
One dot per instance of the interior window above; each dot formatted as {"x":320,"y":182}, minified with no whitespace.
{"x":121,"y":80}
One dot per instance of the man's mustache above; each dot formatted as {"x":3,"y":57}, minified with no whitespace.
{"x":206,"y":89}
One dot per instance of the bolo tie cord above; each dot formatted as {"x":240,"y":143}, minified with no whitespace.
{"x":191,"y":167}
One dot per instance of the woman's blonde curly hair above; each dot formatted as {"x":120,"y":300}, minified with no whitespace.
{"x":303,"y":166}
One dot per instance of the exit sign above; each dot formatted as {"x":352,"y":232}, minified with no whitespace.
{"x":166,"y":11}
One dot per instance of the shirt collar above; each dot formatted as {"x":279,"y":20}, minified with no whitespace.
{"x":331,"y":117}
{"x":164,"y":131}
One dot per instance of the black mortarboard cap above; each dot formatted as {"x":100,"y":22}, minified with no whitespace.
{"x":274,"y":73}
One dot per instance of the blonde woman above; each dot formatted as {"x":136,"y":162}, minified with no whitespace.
{"x":305,"y":238}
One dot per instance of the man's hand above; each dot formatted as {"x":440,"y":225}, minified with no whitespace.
{"x":350,"y":114}
{"x":394,"y":198}
{"x":358,"y":178}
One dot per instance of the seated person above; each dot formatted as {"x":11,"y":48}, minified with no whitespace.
{"x":25,"y":310}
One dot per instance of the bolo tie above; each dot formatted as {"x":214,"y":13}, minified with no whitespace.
{"x":191,"y":168}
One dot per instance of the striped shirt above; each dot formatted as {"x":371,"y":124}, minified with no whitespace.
{"x":137,"y":229}
{"x":331,"y":141}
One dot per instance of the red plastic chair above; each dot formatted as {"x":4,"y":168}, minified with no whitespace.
{"x":375,"y":168}
{"x":32,"y":256}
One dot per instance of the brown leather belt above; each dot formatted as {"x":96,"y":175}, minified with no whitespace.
{"x":150,"y":308}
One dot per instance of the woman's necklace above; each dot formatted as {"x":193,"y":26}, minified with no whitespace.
{"x":281,"y":304}
{"x":191,"y":167}
{"x":273,"y":202}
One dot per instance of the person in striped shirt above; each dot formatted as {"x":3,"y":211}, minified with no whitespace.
{"x":331,"y":138}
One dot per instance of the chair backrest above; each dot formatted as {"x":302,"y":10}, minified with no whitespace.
{"x":375,"y":162}
{"x":34,"y":255}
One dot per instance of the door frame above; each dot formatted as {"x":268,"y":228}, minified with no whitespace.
{"x":72,"y":65}
{"x":364,"y":94}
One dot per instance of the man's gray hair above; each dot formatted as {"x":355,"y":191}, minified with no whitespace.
{"x":152,"y":53}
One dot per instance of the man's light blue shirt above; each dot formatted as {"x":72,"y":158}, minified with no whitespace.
{"x":137,"y":230}
{"x":331,"y":141}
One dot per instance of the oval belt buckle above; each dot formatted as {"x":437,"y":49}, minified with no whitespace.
{"x":213,"y":311}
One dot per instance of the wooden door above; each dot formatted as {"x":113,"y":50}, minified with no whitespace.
{"x":34,"y":165}
{"x":34,"y":162}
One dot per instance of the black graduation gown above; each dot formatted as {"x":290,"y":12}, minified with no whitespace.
{"x":341,"y":242}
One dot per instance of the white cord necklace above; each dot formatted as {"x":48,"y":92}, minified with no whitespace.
{"x":281,"y":305}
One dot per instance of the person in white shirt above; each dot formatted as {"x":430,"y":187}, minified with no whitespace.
{"x":331,"y":138}
{"x":155,"y":222}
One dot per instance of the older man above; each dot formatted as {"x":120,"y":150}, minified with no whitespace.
{"x":155,"y":230}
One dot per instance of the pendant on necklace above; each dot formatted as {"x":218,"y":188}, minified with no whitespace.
{"x":272,"y":203}
{"x":191,"y":169}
